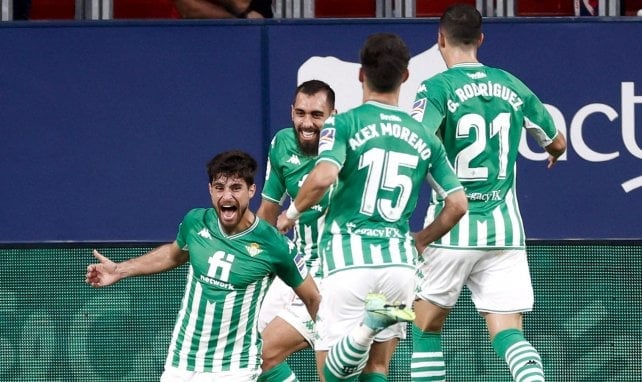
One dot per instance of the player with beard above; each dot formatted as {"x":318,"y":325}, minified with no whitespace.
{"x":285,"y":323}
{"x":377,"y":158}
{"x":233,"y":257}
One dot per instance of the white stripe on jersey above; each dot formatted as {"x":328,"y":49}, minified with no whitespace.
{"x":337,"y":248}
{"x":500,"y":229}
{"x":395,"y":253}
{"x":511,"y":204}
{"x":410,"y":248}
{"x":482,"y":234}
{"x":356,"y":247}
{"x":254,"y":350}
{"x":309,"y":241}
{"x":243,"y":318}
{"x":224,"y":330}
{"x":316,"y":264}
{"x":205,"y":336}
{"x":189,"y":330}
{"x":375,"y":252}
{"x":464,"y":230}
{"x":180,"y":318}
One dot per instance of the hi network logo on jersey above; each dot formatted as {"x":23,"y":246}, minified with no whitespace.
{"x":253,"y":249}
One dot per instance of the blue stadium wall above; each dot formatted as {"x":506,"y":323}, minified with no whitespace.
{"x":105,"y":129}
{"x":106,"y":126}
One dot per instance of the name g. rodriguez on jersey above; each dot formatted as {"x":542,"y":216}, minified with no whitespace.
{"x":483,"y":89}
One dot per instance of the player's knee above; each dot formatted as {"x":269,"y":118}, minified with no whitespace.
{"x":271,"y":357}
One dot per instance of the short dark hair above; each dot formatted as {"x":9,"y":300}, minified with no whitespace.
{"x":312,"y":87}
{"x":234,"y":163}
{"x":461,"y":24}
{"x":384,"y":59}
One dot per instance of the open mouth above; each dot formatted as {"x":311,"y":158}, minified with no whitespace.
{"x":307,"y":134}
{"x":228,"y":211}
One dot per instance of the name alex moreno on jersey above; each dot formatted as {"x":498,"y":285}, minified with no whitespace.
{"x":390,"y":129}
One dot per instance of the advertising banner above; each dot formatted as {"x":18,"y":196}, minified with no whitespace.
{"x":106,"y":126}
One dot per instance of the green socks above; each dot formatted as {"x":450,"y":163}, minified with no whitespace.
{"x":427,"y":363}
{"x":279,"y":373}
{"x":522,"y":358}
{"x":346,"y":360}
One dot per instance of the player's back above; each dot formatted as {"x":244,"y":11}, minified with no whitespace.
{"x":479,"y":112}
{"x":386,"y":161}
{"x":484,"y":112}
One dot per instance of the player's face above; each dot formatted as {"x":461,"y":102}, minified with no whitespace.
{"x":231,"y":198}
{"x":309,"y":112}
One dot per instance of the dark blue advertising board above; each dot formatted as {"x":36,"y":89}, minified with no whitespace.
{"x":105,"y":127}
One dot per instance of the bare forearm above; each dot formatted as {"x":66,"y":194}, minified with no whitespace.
{"x":269,"y":211}
{"x":316,"y":184}
{"x":161,"y":259}
{"x":455,"y":207}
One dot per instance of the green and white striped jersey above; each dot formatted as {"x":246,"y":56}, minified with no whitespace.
{"x":384,"y":156}
{"x":479,"y":113}
{"x":216,"y":328}
{"x":287,"y":168}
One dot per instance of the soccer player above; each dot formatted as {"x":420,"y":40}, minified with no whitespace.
{"x":479,"y":113}
{"x":233,"y":257}
{"x":379,"y":156}
{"x":285,"y":323}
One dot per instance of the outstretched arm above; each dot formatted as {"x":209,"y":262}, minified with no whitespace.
{"x":161,"y":259}
{"x":455,"y":207}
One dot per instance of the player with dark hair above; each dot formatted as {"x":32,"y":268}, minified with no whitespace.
{"x":479,"y":112}
{"x":285,"y":323}
{"x":233,"y":257}
{"x":379,"y":157}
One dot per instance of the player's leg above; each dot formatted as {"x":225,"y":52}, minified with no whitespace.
{"x":502,"y":291}
{"x":441,"y":277}
{"x":290,"y":331}
{"x":280,"y":340}
{"x":320,"y":357}
{"x":378,"y":365}
{"x":357,"y":351}
{"x":427,"y":362}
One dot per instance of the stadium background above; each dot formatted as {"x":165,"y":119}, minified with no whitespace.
{"x":106,"y":128}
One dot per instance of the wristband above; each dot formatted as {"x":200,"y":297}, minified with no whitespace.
{"x":292,"y":213}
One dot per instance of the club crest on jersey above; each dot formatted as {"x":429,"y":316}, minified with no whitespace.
{"x":326,"y":140}
{"x":418,"y":109}
{"x":253,"y":249}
